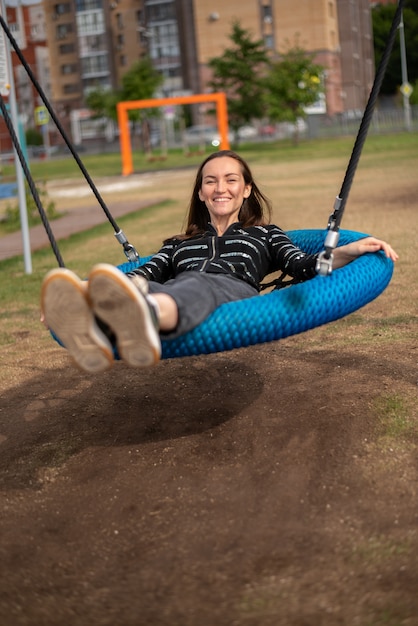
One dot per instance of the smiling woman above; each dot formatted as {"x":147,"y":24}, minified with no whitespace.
{"x":227,"y":249}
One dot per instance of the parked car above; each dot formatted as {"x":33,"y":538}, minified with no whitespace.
{"x":268,"y":130}
{"x":209,"y":135}
{"x":203,"y":135}
{"x":247,"y":132}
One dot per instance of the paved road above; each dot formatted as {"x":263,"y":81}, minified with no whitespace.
{"x":73,"y":222}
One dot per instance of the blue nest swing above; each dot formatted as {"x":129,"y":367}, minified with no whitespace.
{"x":288,"y":311}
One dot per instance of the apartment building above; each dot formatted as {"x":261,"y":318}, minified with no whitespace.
{"x":338,"y":33}
{"x":27,"y":27}
{"x":91,"y":43}
{"x":357,"y":53}
{"x":94,"y":42}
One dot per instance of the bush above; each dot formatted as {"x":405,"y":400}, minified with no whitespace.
{"x":34,"y":137}
{"x":11,"y":219}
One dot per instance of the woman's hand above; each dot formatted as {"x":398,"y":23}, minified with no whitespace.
{"x":43,"y":320}
{"x":345,"y":254}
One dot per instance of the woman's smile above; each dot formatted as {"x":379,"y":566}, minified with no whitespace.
{"x":223,"y":191}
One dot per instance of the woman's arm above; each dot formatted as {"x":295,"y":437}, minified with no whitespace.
{"x":345,"y":254}
{"x":159,"y":267}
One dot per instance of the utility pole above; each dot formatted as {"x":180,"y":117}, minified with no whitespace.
{"x":406,"y":87}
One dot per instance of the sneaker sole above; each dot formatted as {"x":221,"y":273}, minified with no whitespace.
{"x":117,"y":302}
{"x":68,"y":314}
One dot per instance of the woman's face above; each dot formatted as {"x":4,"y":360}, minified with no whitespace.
{"x":223,"y":189}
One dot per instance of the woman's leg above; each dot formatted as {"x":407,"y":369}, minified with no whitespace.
{"x":168,"y":313}
{"x":191,"y":297}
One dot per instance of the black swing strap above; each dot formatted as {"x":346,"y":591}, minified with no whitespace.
{"x":129,"y":250}
{"x":324,"y":265}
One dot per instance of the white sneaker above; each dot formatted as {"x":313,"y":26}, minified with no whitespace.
{"x":124,"y":307}
{"x":67,"y":313}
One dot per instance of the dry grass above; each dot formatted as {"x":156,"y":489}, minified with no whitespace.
{"x":299,"y":508}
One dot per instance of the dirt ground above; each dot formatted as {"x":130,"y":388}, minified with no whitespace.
{"x":268,"y":486}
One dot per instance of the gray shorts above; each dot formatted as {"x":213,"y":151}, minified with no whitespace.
{"x":198,"y":294}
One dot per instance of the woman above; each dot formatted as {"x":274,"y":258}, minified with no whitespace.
{"x":228,"y":247}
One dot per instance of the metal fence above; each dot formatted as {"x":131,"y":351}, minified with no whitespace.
{"x":384,"y":121}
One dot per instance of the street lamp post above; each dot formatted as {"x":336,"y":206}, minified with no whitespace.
{"x":24,"y":226}
{"x":406,"y":88}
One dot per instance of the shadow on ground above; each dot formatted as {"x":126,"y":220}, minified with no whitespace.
{"x":45,"y":422}
{"x":242,"y":489}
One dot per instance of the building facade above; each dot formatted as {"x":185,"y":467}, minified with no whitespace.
{"x":338,"y":33}
{"x":357,"y":53}
{"x":27,"y":27}
{"x":92,"y":43}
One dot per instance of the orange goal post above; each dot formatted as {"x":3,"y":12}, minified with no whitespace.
{"x":123,"y":121}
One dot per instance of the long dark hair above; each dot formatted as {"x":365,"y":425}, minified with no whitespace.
{"x":255,"y":210}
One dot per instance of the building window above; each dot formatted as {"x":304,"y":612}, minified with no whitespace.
{"x":35,"y":31}
{"x":96,"y":82}
{"x":119,"y":20}
{"x":172,"y":72}
{"x":164,"y":41}
{"x":122,"y":60}
{"x":143,"y":36}
{"x":63,"y":30}
{"x":90,"y":23}
{"x":91,"y":43}
{"x":68,"y":68}
{"x":267,"y":14}
{"x":269,"y":42}
{"x":159,"y":12}
{"x":88,"y":5}
{"x":97,"y":64}
{"x":62,"y":7}
{"x":331,"y":9}
{"x":70,"y":88}
{"x":66,"y":48}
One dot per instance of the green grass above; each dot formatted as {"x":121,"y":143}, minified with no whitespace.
{"x":376,"y":550}
{"x":19,"y":292}
{"x":384,"y":147}
{"x":395,"y":417}
{"x":146,"y":228}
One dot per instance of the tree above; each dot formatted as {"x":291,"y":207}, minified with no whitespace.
{"x":239,"y":73}
{"x":382,"y":17}
{"x":413,"y":100}
{"x":293,"y":83}
{"x":139,"y":83}
{"x":103,"y":103}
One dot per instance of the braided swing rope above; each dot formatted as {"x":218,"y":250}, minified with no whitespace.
{"x":334,"y":220}
{"x":129,"y":250}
